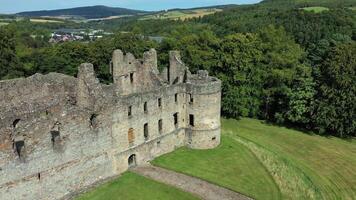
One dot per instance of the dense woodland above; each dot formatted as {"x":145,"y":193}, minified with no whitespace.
{"x":277,"y":62}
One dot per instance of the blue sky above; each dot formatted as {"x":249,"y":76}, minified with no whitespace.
{"x":13,"y":6}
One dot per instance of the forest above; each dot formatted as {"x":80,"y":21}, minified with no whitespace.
{"x":277,"y":61}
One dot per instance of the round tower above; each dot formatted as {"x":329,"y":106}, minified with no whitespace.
{"x":203,"y":111}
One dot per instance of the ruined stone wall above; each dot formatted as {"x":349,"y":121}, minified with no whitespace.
{"x":59,"y":134}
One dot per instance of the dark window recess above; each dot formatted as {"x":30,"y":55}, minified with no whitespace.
{"x":129,"y":112}
{"x":214,"y":138}
{"x":160,"y":126}
{"x":191,"y":99}
{"x":191,"y":120}
{"x":145,"y":131}
{"x":93,"y":120}
{"x":131,"y":77}
{"x":176,"y":98}
{"x":175,"y":116}
{"x":55,"y":137}
{"x":145,"y":107}
{"x":159,"y":143}
{"x":19,"y":147}
{"x":160,"y":102}
{"x":39,"y":176}
{"x":15,"y":122}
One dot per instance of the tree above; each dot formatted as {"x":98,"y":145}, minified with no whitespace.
{"x":336,"y":102}
{"x":10,"y":66}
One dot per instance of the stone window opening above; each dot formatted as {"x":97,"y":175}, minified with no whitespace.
{"x":191,"y":99}
{"x":145,"y":131}
{"x":214,"y":138}
{"x":175,"y":116}
{"x":131,"y":136}
{"x":39,"y":176}
{"x":160,"y":102}
{"x":176,"y":98}
{"x":131,"y":78}
{"x":129,"y":112}
{"x":132,"y":161}
{"x":55,"y":138}
{"x":93,"y":121}
{"x":158,"y":143}
{"x":145,"y":107}
{"x":15,"y":122}
{"x":19,"y":147}
{"x":191,"y":120}
{"x":160,"y":126}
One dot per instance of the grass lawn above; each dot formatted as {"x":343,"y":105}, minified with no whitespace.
{"x":45,"y":21}
{"x":182,"y":14}
{"x":270,"y":162}
{"x":316,"y":9}
{"x":131,"y":186}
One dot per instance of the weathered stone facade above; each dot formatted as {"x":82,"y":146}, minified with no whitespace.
{"x":59,"y":134}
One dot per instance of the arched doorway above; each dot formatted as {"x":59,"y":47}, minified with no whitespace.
{"x":132,"y":160}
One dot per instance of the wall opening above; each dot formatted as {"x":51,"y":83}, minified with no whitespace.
{"x":160,"y":126}
{"x":176,"y":98}
{"x":19,"y":147}
{"x":39,"y":176}
{"x":214,"y":138}
{"x":131,"y":78}
{"x":160,"y":102}
{"x":129,"y":111}
{"x":93,"y":121}
{"x":145,"y":107}
{"x":191,"y":120}
{"x":55,"y":137}
{"x":131,"y":136}
{"x":175,"y":116}
{"x":145,"y":131}
{"x":191,"y":99}
{"x":15,"y":122}
{"x":132,"y":161}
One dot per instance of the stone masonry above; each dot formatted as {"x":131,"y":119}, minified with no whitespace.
{"x":59,"y":134}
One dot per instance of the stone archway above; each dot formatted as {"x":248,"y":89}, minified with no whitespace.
{"x":132,"y":161}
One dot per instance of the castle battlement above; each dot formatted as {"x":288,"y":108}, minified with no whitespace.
{"x":59,"y":134}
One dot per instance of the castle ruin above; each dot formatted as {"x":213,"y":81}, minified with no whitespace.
{"x":59,"y":134}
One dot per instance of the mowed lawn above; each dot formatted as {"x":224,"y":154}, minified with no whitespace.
{"x":131,"y":186}
{"x":270,"y":162}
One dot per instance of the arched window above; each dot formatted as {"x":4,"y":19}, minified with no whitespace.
{"x":132,"y":160}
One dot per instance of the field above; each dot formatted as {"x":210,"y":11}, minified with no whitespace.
{"x":316,"y":9}
{"x":45,"y":21}
{"x":182,"y":14}
{"x":270,"y":162}
{"x":133,"y":187}
{"x":3,"y":23}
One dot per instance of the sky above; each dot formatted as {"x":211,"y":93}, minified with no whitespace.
{"x":14,"y":6}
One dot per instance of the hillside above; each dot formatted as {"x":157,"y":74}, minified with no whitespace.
{"x":89,"y":12}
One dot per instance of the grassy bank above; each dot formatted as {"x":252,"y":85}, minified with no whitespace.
{"x":261,"y":160}
{"x":131,"y":186}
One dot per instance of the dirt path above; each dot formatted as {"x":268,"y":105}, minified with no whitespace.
{"x":203,"y":189}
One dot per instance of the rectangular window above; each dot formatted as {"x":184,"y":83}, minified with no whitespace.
{"x":175,"y":116}
{"x":176,"y":98}
{"x":191,"y":99}
{"x":191,"y":120}
{"x":160,"y":102}
{"x":145,"y":131}
{"x":131,"y":136}
{"x":145,"y":107}
{"x":160,"y":126}
{"x":131,"y":77}
{"x":129,"y":112}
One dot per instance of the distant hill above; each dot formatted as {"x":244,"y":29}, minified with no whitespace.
{"x":90,"y":12}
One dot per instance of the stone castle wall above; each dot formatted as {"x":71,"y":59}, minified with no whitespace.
{"x":59,"y":134}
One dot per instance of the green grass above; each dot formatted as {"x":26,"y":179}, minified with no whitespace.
{"x":182,"y":14}
{"x":230,"y":165}
{"x":299,"y":166}
{"x":131,"y":186}
{"x":3,"y":23}
{"x":316,"y":9}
